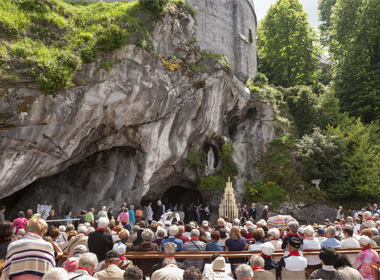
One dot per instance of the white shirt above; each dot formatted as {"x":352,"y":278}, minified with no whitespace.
{"x":169,"y":272}
{"x":312,"y":243}
{"x":356,"y":229}
{"x":350,"y":242}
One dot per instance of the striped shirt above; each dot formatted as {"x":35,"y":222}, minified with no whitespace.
{"x":194,"y":246}
{"x":28,"y":255}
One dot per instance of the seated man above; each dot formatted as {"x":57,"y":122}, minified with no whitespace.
{"x":30,"y":256}
{"x":169,"y":271}
{"x":172,"y":231}
{"x":331,"y":241}
{"x":267,"y":250}
{"x":112,"y":270}
{"x":257,"y":264}
{"x":328,"y":258}
{"x":169,"y":252}
{"x":218,"y":270}
{"x":192,"y":273}
{"x":133,"y":273}
{"x":294,"y":261}
{"x":349,"y":241}
{"x":80,"y":239}
{"x":100,"y":242}
{"x":194,"y":245}
{"x":215,"y":245}
{"x":244,"y":272}
{"x":86,"y":266}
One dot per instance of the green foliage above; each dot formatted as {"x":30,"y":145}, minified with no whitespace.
{"x":276,"y":164}
{"x":287,"y":45}
{"x":37,"y":32}
{"x":156,"y":7}
{"x":354,"y":46}
{"x":112,"y":37}
{"x":260,"y":80}
{"x":59,"y":73}
{"x":325,"y":8}
{"x":250,"y":36}
{"x":229,"y":170}
{"x":186,"y":6}
{"x":266,"y":192}
{"x":195,"y":159}
{"x":211,"y":60}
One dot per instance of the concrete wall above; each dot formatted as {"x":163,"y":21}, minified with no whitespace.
{"x":223,"y":27}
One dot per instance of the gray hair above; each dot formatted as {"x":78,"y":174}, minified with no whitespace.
{"x":70,"y":227}
{"x":56,"y":273}
{"x":194,"y":233}
{"x":331,"y":230}
{"x":167,"y":261}
{"x":147,"y":235}
{"x":88,"y":260}
{"x":293,"y":226}
{"x":82,"y":229}
{"x":91,"y":229}
{"x":244,"y":271}
{"x":131,"y":207}
{"x":160,"y":232}
{"x":135,"y":228}
{"x":236,"y":222}
{"x":133,"y":273}
{"x":338,"y":228}
{"x":350,"y":219}
{"x":257,"y":260}
{"x":62,"y":228}
{"x":367,"y":214}
{"x":103,"y":223}
{"x":374,"y":231}
{"x":173,"y":230}
{"x":250,"y":229}
{"x":309,"y":231}
{"x":274,"y":232}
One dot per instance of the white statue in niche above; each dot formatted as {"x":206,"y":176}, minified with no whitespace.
{"x":210,"y":159}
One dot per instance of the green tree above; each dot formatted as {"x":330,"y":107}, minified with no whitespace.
{"x":325,"y":8}
{"x":287,"y":45}
{"x":355,"y":48}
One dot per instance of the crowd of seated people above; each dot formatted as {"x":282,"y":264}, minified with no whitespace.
{"x":96,"y":250}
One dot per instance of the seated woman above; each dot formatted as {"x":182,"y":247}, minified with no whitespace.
{"x":365,"y":258}
{"x":344,"y":266}
{"x":146,"y":264}
{"x":258,"y":235}
{"x":274,"y":238}
{"x":235,"y":243}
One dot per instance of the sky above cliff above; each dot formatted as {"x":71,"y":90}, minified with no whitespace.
{"x":310,"y":6}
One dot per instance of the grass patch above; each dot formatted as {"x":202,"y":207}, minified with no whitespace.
{"x":50,"y":39}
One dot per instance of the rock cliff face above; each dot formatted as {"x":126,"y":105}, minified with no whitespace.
{"x":123,"y":135}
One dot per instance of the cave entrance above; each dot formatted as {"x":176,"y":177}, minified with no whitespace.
{"x":181,"y":195}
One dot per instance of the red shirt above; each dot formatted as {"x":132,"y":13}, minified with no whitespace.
{"x":182,"y":237}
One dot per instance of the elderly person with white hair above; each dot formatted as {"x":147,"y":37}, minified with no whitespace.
{"x":86,"y":267}
{"x":161,"y":233}
{"x":219,"y":270}
{"x":293,"y":231}
{"x":194,"y":245}
{"x":80,"y":239}
{"x":365,"y":258}
{"x":100,"y":242}
{"x":367,"y":220}
{"x":56,"y":273}
{"x":172,"y":231}
{"x":146,"y":246}
{"x":257,"y":265}
{"x":310,"y":242}
{"x":274,"y":238}
{"x":244,"y":272}
{"x":169,"y":271}
{"x":331,"y":241}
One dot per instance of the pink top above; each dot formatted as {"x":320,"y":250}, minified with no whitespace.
{"x":20,"y":223}
{"x":124,"y":217}
{"x":363,"y":261}
{"x":27,"y":277}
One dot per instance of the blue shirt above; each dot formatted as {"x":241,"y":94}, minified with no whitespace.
{"x":131,"y":215}
{"x":215,"y":246}
{"x":177,"y":241}
{"x":331,"y":242}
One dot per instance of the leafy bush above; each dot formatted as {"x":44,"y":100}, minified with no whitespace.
{"x":58,"y":73}
{"x":112,"y":37}
{"x":89,"y":53}
{"x":260,"y":80}
{"x":266,"y":191}
{"x":156,"y":7}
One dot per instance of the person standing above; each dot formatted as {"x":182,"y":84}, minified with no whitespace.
{"x":339,"y":214}
{"x":89,"y":217}
{"x":131,"y":214}
{"x":138,"y":214}
{"x":150,"y":213}
{"x":266,"y":213}
{"x":207,"y":213}
{"x":199,"y":212}
{"x":160,"y":210}
{"x":252,"y":212}
{"x":2,"y":210}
